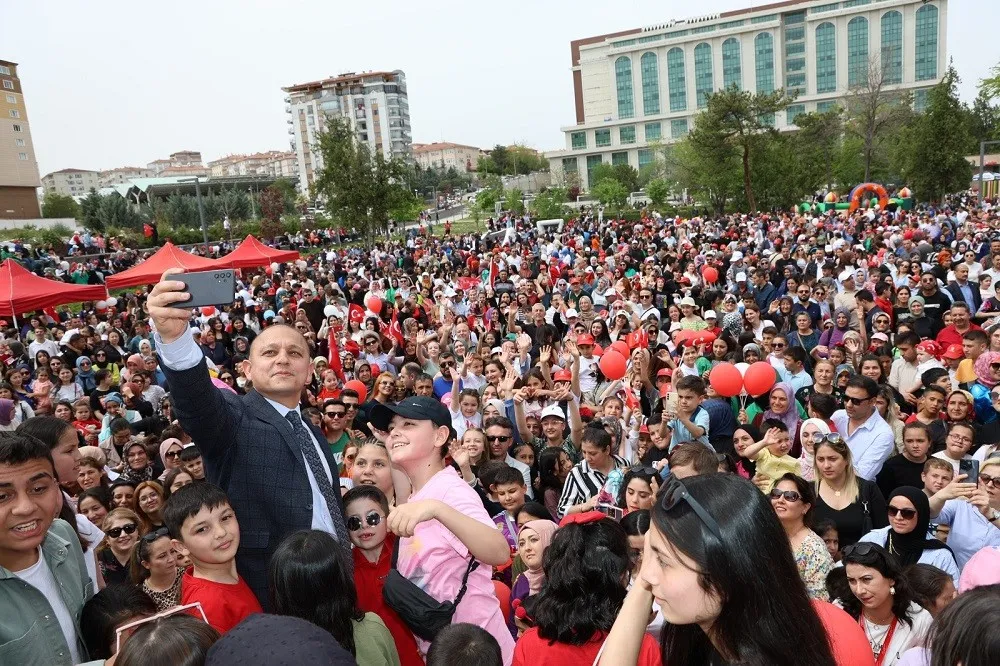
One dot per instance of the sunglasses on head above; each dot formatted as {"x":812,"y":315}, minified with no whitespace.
{"x":675,"y":492}
{"x":832,"y":438}
{"x":372,"y":519}
{"x":908,"y":514}
{"x":860,"y":548}
{"x":646,"y":470}
{"x":788,"y":495}
{"x":116,"y":532}
{"x":156,"y":534}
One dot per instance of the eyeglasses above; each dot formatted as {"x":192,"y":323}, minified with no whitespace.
{"x":788,"y":495}
{"x":778,"y":345}
{"x":676,"y":492}
{"x":960,"y":438}
{"x":372,"y":519}
{"x":989,"y":480}
{"x":156,"y":534}
{"x":116,"y":532}
{"x":172,"y":454}
{"x":498,"y":438}
{"x":351,"y":406}
{"x":832,"y":438}
{"x":908,"y":514}
{"x":336,"y":415}
{"x":856,"y":401}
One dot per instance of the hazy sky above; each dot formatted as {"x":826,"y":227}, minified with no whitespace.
{"x":112,"y":83}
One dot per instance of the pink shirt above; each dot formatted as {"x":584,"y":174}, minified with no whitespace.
{"x":435,"y":560}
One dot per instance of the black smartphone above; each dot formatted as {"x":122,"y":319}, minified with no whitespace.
{"x":970,"y":468}
{"x":611,"y":511}
{"x":208,"y":288}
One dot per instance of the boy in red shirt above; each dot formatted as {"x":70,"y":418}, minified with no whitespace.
{"x":373,"y":544}
{"x":204,"y":528}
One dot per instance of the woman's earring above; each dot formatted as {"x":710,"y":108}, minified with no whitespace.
{"x":892,"y":590}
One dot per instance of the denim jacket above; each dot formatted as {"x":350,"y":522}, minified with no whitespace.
{"x":29,"y":631}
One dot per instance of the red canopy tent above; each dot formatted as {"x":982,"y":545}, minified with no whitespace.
{"x":252,"y":253}
{"x":23,"y":291}
{"x":150,"y":270}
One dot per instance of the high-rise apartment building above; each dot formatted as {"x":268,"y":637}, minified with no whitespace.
{"x":645,"y":86}
{"x":376,"y":104}
{"x":71,"y":182}
{"x":18,"y":165}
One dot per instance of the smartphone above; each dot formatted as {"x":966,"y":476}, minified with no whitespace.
{"x":611,"y":511}
{"x":208,"y":288}
{"x":670,"y":406}
{"x":970,"y":468}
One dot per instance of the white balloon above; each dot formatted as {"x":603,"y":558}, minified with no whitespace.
{"x":112,"y":301}
{"x":742,"y":367}
{"x":274,"y":266}
{"x":329,"y":311}
{"x":102,"y":305}
{"x":301,"y":263}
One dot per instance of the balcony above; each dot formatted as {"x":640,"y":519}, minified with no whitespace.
{"x":288,"y":100}
{"x":291,"y":130}
{"x":288,"y":108}
{"x":290,"y":121}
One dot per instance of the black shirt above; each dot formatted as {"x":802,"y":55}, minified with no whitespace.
{"x":898,"y":471}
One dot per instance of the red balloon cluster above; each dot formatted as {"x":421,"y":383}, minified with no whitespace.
{"x":727,"y":381}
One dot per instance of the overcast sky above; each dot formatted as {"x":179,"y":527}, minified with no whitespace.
{"x":111,"y":83}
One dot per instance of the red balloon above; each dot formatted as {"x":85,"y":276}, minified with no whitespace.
{"x":268,"y":270}
{"x":759,"y":378}
{"x":613,"y":364}
{"x":621,"y":347}
{"x":726,"y":380}
{"x":598,"y":351}
{"x":355,"y":385}
{"x":374,"y":304}
{"x":710,"y":274}
{"x":208,"y":310}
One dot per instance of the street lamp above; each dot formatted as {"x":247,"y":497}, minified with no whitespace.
{"x":201,"y":209}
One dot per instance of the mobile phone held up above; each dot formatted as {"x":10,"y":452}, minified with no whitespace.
{"x":970,"y":468}
{"x":208,"y":288}
{"x":611,"y":511}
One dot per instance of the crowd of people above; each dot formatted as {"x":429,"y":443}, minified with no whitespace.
{"x":515,"y":448}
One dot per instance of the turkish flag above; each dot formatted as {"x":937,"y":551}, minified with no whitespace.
{"x":494,"y":270}
{"x":355,"y":313}
{"x":467,"y":283}
{"x":395,"y":330}
{"x":334,"y":357}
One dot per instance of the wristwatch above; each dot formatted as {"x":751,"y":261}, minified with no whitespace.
{"x":995,"y":516}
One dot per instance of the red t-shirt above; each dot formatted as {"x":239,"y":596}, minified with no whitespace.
{"x":848,"y":642}
{"x":537,"y":651}
{"x":369,"y":577}
{"x":225,"y":604}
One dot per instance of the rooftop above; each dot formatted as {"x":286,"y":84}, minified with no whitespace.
{"x":68,"y":170}
{"x":335,"y":81}
{"x":442,"y":145}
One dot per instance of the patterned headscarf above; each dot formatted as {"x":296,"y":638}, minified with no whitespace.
{"x":790,"y":417}
{"x":982,"y":368}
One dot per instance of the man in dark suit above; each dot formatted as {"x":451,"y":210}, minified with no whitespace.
{"x":276,"y":467}
{"x":962,"y":289}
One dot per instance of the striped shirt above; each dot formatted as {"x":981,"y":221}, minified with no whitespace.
{"x":583,"y":483}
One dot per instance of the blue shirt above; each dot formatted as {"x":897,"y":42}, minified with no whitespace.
{"x":680,"y":434}
{"x":871,"y":444}
{"x":970,"y":531}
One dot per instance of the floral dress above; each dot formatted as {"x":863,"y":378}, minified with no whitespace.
{"x":814,"y":563}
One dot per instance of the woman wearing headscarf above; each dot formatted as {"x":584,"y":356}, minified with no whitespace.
{"x":170,"y":455}
{"x":85,"y":374}
{"x":834,"y":335}
{"x":923,"y":325}
{"x":987,"y":369}
{"x":906,"y":536}
{"x":782,"y":406}
{"x":7,"y":415}
{"x":811,"y":430}
{"x":532,"y":540}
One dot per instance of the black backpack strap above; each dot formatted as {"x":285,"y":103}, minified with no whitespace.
{"x":473,"y":565}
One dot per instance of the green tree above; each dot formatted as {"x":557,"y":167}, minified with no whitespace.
{"x":611,"y":193}
{"x":288,"y":192}
{"x":935,"y":162}
{"x":657,"y":190}
{"x":984,"y":121}
{"x":740,"y":118}
{"x":90,"y":211}
{"x":182,"y":211}
{"x":818,"y":145}
{"x":512,"y":201}
{"x":705,"y":164}
{"x":874,"y":113}
{"x":272,"y":206}
{"x":58,"y":205}
{"x":990,"y":86}
{"x":550,"y":203}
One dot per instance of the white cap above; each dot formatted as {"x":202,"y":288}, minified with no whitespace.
{"x":687,"y":300}
{"x":737,"y":256}
{"x":553,"y":410}
{"x":572,"y":313}
{"x":847,"y":275}
{"x":710,"y":314}
{"x":675,"y":326}
{"x":741,"y":277}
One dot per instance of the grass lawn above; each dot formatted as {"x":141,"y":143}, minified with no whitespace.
{"x":458,"y":227}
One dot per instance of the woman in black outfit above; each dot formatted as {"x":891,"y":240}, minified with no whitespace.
{"x":855,"y":505}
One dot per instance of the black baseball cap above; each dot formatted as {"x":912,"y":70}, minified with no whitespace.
{"x":420,"y":408}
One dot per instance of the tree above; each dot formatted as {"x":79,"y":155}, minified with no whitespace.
{"x":611,"y":193}
{"x":705,"y":164}
{"x":58,"y":205}
{"x":990,"y":86}
{"x":657,"y":190}
{"x":984,"y":121}
{"x":935,"y":161}
{"x":818,"y":144}
{"x":740,"y":118}
{"x":873,"y":112}
{"x":512,"y":201}
{"x":272,"y":206}
{"x":549,"y":204}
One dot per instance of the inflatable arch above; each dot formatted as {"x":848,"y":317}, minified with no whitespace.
{"x":868,"y":188}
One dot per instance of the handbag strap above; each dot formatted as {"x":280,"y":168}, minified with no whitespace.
{"x":473,"y":565}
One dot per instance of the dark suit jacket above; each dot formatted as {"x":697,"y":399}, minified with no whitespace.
{"x":956,"y":293}
{"x":249,"y":451}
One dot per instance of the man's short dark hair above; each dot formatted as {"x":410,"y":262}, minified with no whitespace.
{"x":499,"y":422}
{"x":865,"y":295}
{"x":18,"y":448}
{"x":508,"y":475}
{"x":797,"y":354}
{"x":187,"y":501}
{"x":349,"y":393}
{"x":119,"y":424}
{"x":774,"y":423}
{"x":189,"y":453}
{"x":701,"y":458}
{"x":977,"y":335}
{"x":424,"y":377}
{"x":908,"y":338}
{"x":961,"y":305}
{"x":464,"y":643}
{"x":867,"y":384}
{"x":101,"y":375}
{"x":928,"y":377}
{"x":934,"y":388}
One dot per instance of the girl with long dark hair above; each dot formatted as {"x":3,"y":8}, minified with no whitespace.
{"x":308,"y":579}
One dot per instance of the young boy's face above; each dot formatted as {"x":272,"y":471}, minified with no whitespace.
{"x":690,"y":356}
{"x":510,"y":496}
{"x":361,"y":513}
{"x":29,"y":500}
{"x":916,"y":444}
{"x":931,"y":403}
{"x":782,"y":445}
{"x":687,"y":401}
{"x":195,"y":468}
{"x":424,"y":388}
{"x":935,"y":479}
{"x":211,"y":536}
{"x":792,"y":365}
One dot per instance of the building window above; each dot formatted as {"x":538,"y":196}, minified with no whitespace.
{"x":857,"y":51}
{"x":652,"y":132}
{"x":826,"y":58}
{"x":675,"y":79}
{"x":920,"y":100}
{"x":764,"y":62}
{"x":14,"y":113}
{"x":793,"y":112}
{"x":795,"y":19}
{"x":855,"y":3}
{"x":592,"y":162}
{"x":795,"y":65}
{"x":626,"y":134}
{"x":892,"y":47}
{"x":678,"y":128}
{"x":823,"y":107}
{"x":8,"y":84}
{"x":569,"y":165}
{"x":730,"y":24}
{"x":796,"y":82}
{"x":22,"y":156}
{"x":623,"y":81}
{"x":619,"y":158}
{"x":764,"y":19}
{"x":645,"y":157}
{"x":795,"y":49}
{"x":825,"y":8}
{"x":602,"y":138}
{"x":17,"y":128}
{"x":19,"y":143}
{"x":4,"y":70}
{"x":732,"y":71}
{"x":926,"y":43}
{"x":11,"y":99}
{"x":703,"y":80}
{"x":578,"y":140}
{"x":795,"y":34}
{"x":650,"y":84}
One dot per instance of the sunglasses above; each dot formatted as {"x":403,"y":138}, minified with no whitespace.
{"x":116,"y":532}
{"x":645,"y":470}
{"x":336,"y":415}
{"x":788,"y":495}
{"x":989,"y":480}
{"x":172,"y":454}
{"x":156,"y":534}
{"x":860,"y":548}
{"x":351,"y":406}
{"x":908,"y":514}
{"x":372,"y":519}
{"x":675,"y":492}
{"x":832,"y":438}
{"x":498,"y":438}
{"x":855,"y":401}
{"x":778,"y":345}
